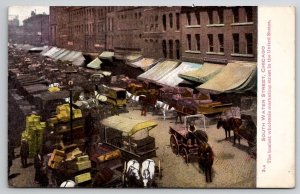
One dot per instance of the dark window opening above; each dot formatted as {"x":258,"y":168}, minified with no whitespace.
{"x":171,"y":49}
{"x":164,"y":22}
{"x":197,"y":14}
{"x":235,"y":12}
{"x":236,"y":43}
{"x":210,"y":43}
{"x":189,"y":44}
{"x":177,"y":44}
{"x":249,"y":39}
{"x":221,"y":16}
{"x":210,"y":16}
{"x":197,"y":36}
{"x":188,"y":16}
{"x":177,"y":21}
{"x":171,"y":20}
{"x":221,"y":42}
{"x":249,"y":14}
{"x":164,"y":48}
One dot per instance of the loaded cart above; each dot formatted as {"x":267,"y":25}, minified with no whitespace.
{"x":131,"y":136}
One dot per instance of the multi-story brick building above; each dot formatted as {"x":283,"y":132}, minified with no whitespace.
{"x":15,"y":31}
{"x":219,"y":34}
{"x":36,"y":29}
{"x":196,"y":34}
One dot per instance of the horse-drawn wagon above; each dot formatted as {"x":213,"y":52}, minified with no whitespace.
{"x":190,"y":142}
{"x":131,"y":136}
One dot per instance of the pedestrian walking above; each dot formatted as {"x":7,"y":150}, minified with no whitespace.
{"x":24,"y":153}
{"x":38,"y":163}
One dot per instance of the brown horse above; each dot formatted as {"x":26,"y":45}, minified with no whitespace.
{"x":229,"y":125}
{"x":148,"y":100}
{"x":206,"y":159}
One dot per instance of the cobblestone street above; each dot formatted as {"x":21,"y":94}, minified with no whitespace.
{"x":232,"y":165}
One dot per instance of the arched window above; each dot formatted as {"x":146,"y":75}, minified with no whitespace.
{"x":171,"y":49}
{"x":164,"y":48}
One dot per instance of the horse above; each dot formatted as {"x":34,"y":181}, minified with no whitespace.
{"x":147,"y":172}
{"x":164,"y":107}
{"x":229,"y":125}
{"x":149,"y":99}
{"x":206,"y":159}
{"x":131,"y":175}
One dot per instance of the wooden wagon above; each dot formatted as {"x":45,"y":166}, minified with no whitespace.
{"x":181,"y":139}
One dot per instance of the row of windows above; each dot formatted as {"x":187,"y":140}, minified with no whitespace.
{"x":136,"y":15}
{"x":172,"y":52}
{"x":217,"y":16}
{"x":170,"y":16}
{"x":220,"y":38}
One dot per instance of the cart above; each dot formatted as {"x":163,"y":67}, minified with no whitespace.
{"x":131,"y":136}
{"x":181,"y":139}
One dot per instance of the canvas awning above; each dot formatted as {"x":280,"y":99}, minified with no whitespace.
{"x":95,"y":64}
{"x":50,"y":52}
{"x":203,"y":74}
{"x":144,"y":63}
{"x":133,"y":57}
{"x":129,"y":126}
{"x":234,"y":77}
{"x":160,"y":70}
{"x":172,"y":79}
{"x":57,"y":53}
{"x":58,"y":57}
{"x":107,"y":55}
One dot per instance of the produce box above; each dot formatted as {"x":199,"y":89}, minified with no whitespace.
{"x":83,"y":158}
{"x":83,"y":178}
{"x":83,"y":165}
{"x":109,"y":156}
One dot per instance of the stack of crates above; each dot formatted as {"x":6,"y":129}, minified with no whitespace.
{"x":63,"y":113}
{"x":33,"y":133}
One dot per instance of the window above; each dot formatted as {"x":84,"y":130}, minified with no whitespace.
{"x":235,"y":12}
{"x":156,"y":18}
{"x":249,"y":46}
{"x":164,"y":48}
{"x":171,"y":49}
{"x":197,"y":37}
{"x":164,"y":22}
{"x":197,"y":14}
{"x":221,"y":42}
{"x":188,"y":16}
{"x":171,"y":20}
{"x":221,"y":16}
{"x":189,"y":43}
{"x":210,"y":43}
{"x":177,"y":45}
{"x":177,"y":21}
{"x":210,"y":16}
{"x":249,"y":14}
{"x":236,"y":43}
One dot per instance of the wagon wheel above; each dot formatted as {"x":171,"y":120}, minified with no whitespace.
{"x":185,"y":155}
{"x":174,"y":144}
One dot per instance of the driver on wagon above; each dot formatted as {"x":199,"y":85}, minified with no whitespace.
{"x":191,"y":137}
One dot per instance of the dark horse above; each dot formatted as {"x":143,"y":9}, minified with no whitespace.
{"x":205,"y":154}
{"x":147,"y":100}
{"x":206,"y":159}
{"x":229,"y":125}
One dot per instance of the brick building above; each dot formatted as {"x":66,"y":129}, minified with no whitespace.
{"x":219,"y":34}
{"x":36,"y":29}
{"x":15,"y":31}
{"x":196,"y":34}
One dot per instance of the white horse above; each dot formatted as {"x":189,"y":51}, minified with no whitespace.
{"x":148,"y":171}
{"x":164,"y":107}
{"x":133,"y":99}
{"x":132,"y":176}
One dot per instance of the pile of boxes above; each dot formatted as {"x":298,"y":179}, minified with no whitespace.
{"x":33,"y":133}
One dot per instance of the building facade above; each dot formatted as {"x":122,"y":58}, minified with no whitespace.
{"x":219,"y":34}
{"x":15,"y":31}
{"x":195,"y":34}
{"x":36,"y":29}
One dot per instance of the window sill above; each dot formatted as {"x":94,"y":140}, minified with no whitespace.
{"x":241,"y":55}
{"x":193,"y":26}
{"x":242,"y":24}
{"x":193,"y":52}
{"x":215,"y":25}
{"x":215,"y":53}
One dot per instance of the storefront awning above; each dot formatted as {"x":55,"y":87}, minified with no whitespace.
{"x":50,"y":52}
{"x":234,"y":77}
{"x":172,"y":79}
{"x":107,"y":55}
{"x":58,"y":57}
{"x":95,"y":64}
{"x":129,"y":126}
{"x":159,"y":71}
{"x":144,"y":63}
{"x":133,"y":57}
{"x":203,"y":74}
{"x":57,"y":53}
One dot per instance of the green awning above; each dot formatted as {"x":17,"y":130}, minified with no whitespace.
{"x":107,"y":55}
{"x":95,"y":64}
{"x":203,"y":74}
{"x":234,"y":77}
{"x":129,"y":126}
